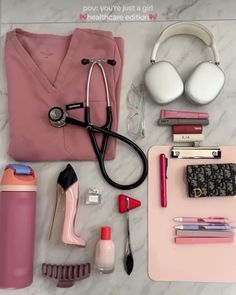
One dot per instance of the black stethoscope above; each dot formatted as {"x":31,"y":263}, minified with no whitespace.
{"x":58,"y":117}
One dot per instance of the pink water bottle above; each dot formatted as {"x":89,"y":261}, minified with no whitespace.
{"x":17,"y":226}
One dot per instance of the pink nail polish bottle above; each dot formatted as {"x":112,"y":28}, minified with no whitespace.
{"x":105,"y":251}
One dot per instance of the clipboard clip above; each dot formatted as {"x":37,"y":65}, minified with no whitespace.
{"x":200,"y":152}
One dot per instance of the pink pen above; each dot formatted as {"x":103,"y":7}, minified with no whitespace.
{"x":163,"y":177}
{"x":169,"y":114}
{"x":203,"y":220}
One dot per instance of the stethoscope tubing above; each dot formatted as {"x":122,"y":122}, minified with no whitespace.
{"x":100,"y":155}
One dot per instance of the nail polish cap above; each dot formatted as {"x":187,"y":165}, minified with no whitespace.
{"x":106,"y":233}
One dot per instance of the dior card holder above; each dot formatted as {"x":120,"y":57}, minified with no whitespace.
{"x":211,"y":180}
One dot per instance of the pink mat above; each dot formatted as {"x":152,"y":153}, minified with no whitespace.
{"x":197,"y":263}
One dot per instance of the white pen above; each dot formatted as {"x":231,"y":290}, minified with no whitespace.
{"x":201,"y":219}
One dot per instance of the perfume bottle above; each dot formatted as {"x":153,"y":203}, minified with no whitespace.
{"x":105,"y":251}
{"x":67,"y":188}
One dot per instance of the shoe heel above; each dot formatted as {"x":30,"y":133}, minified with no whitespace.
{"x":59,"y":193}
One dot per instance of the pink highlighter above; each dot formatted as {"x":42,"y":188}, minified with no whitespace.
{"x":203,"y":240}
{"x":169,"y":114}
{"x":163,"y":177}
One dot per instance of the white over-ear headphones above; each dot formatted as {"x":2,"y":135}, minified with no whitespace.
{"x":206,"y":80}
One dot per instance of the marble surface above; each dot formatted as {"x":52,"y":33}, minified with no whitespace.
{"x":68,"y":11}
{"x":60,"y":17}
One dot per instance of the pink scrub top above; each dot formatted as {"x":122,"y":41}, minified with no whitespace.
{"x":44,"y":71}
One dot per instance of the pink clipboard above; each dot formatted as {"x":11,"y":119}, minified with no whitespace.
{"x":168,"y":261}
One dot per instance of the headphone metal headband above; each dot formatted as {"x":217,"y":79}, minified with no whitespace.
{"x":187,"y":28}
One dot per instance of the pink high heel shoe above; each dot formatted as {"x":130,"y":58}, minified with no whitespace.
{"x":67,"y":186}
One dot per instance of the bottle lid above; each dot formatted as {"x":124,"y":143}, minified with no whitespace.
{"x":18,"y":177}
{"x":106,"y":233}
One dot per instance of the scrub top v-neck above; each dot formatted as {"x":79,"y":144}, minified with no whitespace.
{"x":45,"y":70}
{"x":64,"y":67}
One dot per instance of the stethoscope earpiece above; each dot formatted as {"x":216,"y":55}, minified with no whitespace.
{"x":86,"y":61}
{"x":111,"y":62}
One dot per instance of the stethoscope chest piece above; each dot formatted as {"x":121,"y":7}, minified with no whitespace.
{"x":57,"y":117}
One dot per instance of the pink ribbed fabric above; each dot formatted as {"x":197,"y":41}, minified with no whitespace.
{"x":45,"y":70}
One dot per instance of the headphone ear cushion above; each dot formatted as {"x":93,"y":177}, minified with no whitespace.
{"x":163,"y":82}
{"x":205,"y":83}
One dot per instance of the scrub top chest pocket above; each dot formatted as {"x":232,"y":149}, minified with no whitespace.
{"x":97,"y":86}
{"x":79,"y":138}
